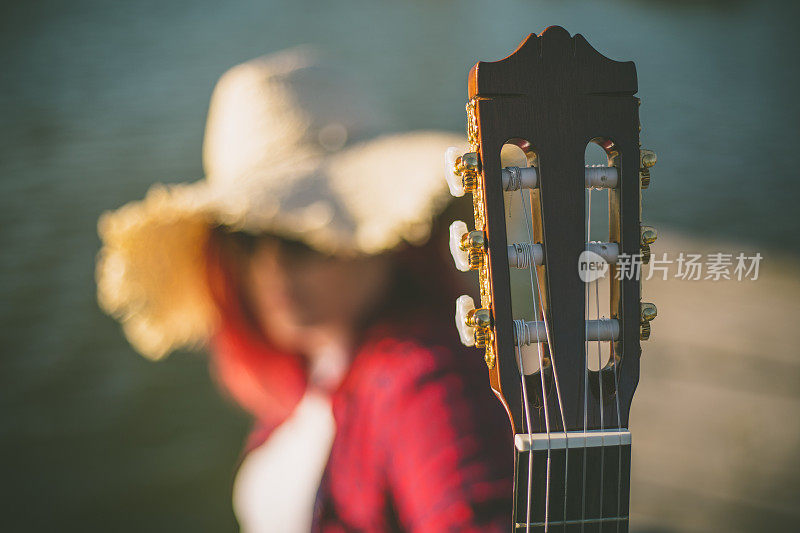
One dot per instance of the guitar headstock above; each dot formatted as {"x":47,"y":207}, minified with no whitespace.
{"x":551,"y":97}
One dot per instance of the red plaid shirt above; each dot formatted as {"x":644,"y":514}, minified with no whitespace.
{"x":421,"y":443}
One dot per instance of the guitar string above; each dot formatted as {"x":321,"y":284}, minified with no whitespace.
{"x":558,"y":394}
{"x":531,"y":270}
{"x":588,"y":202}
{"x":528,"y":218}
{"x":586,"y":374}
{"x":600,"y":378}
{"x":527,"y":411}
{"x":612,"y":358}
{"x":596,"y":284}
{"x":619,"y":425}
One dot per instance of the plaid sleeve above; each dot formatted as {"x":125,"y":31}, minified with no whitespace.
{"x":450,"y":455}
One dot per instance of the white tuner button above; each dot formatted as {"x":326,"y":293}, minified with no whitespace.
{"x":464,"y":305}
{"x":460,"y":256}
{"x":454,"y":181}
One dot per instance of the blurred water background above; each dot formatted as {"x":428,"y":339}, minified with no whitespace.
{"x":99,"y":99}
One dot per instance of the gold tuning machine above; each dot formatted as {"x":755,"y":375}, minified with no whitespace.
{"x":475,"y":327}
{"x":467,"y":247}
{"x":461,"y":171}
{"x":647,"y":158}
{"x":468,"y":166}
{"x":474,"y":243}
{"x":648,"y":237}
{"x":644,"y":331}
{"x":647,"y":312}
{"x":481,"y":320}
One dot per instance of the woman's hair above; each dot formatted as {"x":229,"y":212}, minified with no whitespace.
{"x":268,"y":382}
{"x":261,"y":379}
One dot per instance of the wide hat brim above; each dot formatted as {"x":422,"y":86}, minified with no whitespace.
{"x":363,"y":200}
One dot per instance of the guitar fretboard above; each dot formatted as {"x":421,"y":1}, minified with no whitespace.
{"x":581,"y":487}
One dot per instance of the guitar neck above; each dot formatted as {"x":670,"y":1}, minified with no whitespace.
{"x":583,"y":486}
{"x":551,"y":100}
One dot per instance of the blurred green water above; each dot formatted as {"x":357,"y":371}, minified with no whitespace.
{"x":100,"y":99}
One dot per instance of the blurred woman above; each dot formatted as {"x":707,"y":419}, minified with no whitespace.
{"x":301,"y":260}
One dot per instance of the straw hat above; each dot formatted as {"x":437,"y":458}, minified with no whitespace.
{"x":292,"y":149}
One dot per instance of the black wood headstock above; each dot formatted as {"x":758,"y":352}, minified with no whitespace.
{"x":551,"y":97}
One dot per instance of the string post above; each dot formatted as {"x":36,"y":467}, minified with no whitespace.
{"x":535,"y":331}
{"x":523,"y":255}
{"x":601,"y":177}
{"x":516,"y":178}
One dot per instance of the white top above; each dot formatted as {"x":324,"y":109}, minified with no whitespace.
{"x":277,"y":483}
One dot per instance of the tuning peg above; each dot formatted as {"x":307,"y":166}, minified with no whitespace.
{"x":461,"y":171}
{"x":647,"y":158}
{"x":647,"y":312}
{"x":454,"y":180}
{"x":468,"y":165}
{"x":467,"y":248}
{"x":649,"y":234}
{"x":464,"y":306}
{"x":474,"y":325}
{"x":460,"y":255}
{"x":648,"y":237}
